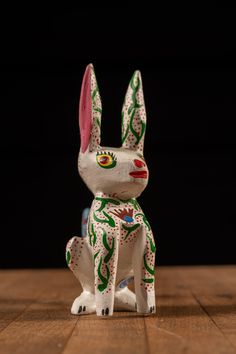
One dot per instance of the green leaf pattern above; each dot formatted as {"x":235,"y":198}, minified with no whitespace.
{"x":104,"y":280}
{"x":110,"y":245}
{"x":132,"y":111}
{"x":68,"y":257}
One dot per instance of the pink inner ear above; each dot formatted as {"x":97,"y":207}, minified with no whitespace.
{"x":85,"y":110}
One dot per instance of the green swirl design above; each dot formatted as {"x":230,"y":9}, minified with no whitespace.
{"x":144,"y":220}
{"x":108,"y":219}
{"x":108,"y":248}
{"x":130,"y":229}
{"x":92,"y":234}
{"x":152,"y":244}
{"x":104,"y":280}
{"x":131,"y":112}
{"x":149,"y":269}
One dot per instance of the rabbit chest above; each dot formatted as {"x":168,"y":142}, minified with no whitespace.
{"x":117,"y":218}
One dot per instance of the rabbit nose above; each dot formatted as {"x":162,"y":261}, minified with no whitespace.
{"x":139,"y":163}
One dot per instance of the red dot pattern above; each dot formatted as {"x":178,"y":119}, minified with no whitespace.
{"x":119,"y":234}
{"x":97,"y":104}
{"x":140,"y":116}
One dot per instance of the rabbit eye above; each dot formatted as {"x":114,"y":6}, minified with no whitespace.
{"x":106,"y":160}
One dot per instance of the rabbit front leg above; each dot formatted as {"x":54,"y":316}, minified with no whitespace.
{"x":105,"y":269}
{"x":144,"y":271}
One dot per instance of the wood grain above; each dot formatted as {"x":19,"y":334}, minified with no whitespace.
{"x":196,"y":313}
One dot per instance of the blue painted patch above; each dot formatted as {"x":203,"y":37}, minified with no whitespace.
{"x":85,"y":215}
{"x":125,"y":282}
{"x":128,"y":218}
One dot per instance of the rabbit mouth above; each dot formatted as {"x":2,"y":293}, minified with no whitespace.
{"x":139,"y":174}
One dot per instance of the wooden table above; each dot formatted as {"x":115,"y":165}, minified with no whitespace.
{"x":196,"y":314}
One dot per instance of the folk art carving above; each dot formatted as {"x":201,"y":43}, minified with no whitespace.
{"x":117,"y":244}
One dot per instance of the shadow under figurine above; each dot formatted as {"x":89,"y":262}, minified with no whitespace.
{"x":118,"y":245}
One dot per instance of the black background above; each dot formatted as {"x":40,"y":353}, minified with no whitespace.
{"x":188,"y":67}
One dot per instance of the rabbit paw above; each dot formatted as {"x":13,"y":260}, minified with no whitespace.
{"x":146,"y":308}
{"x":84,"y":304}
{"x":105,"y":312}
{"x":152,"y":309}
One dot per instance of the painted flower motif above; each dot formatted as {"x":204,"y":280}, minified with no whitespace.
{"x":124,"y":214}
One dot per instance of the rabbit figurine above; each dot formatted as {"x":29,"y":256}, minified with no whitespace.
{"x":119,"y":243}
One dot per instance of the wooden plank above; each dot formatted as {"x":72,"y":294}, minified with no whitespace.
{"x":10,"y":277}
{"x":208,"y":279}
{"x":122,"y":333}
{"x":194,"y":315}
{"x":182,"y":325}
{"x":46,"y":324}
{"x":17,"y":291}
{"x":222,"y":310}
{"x":216,"y":294}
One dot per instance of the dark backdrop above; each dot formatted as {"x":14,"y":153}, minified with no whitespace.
{"x":189,"y":76}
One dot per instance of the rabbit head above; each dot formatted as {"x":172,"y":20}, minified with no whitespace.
{"x":119,"y":172}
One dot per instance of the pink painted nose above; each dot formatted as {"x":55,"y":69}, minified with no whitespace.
{"x":139,"y":163}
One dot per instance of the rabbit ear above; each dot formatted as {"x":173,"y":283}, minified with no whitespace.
{"x":134,"y":115}
{"x":90,"y":111}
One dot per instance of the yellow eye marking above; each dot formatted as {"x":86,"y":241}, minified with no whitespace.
{"x":106,"y":160}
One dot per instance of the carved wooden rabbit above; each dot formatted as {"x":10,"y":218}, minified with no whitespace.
{"x":119,"y":243}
